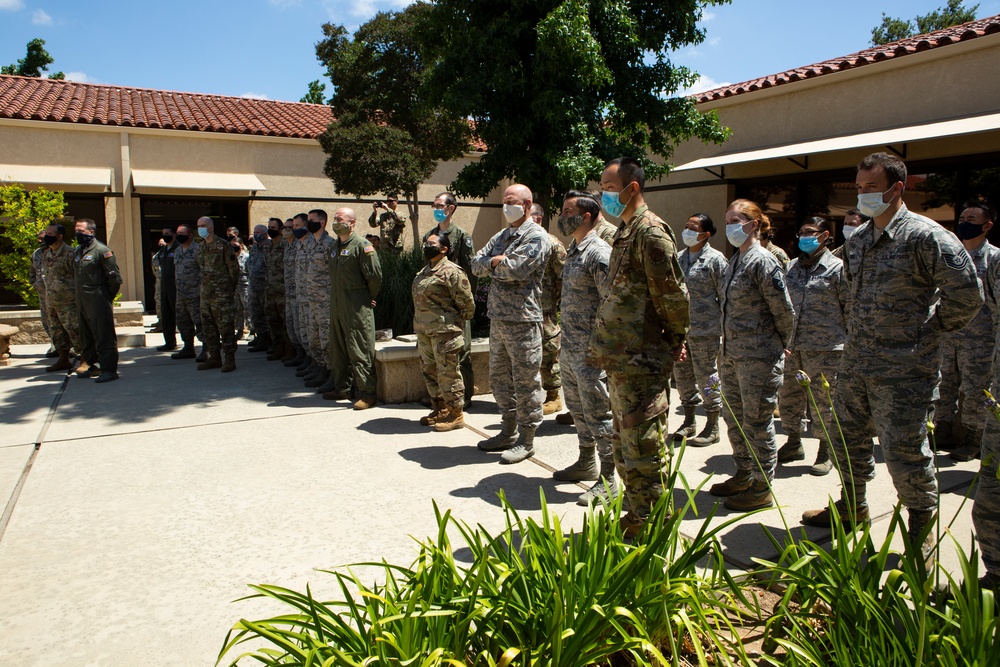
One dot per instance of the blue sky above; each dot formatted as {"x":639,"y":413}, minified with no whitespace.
{"x":265,"y":48}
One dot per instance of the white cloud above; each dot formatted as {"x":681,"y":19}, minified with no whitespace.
{"x":80,"y":77}
{"x":707,"y":16}
{"x":11,"y":5}
{"x":703,"y":84}
{"x":714,"y":41}
{"x":41,"y":17}
{"x":361,"y":9}
{"x":255,"y":96}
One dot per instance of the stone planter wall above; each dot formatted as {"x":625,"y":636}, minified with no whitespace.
{"x":29,"y":323}
{"x":397,"y":368}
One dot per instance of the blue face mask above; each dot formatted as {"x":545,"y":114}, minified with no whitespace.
{"x":203,"y":232}
{"x":440,"y":215}
{"x":809,"y":244}
{"x":612,"y":205}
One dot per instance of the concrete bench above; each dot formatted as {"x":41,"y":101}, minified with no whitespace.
{"x":397,"y":368}
{"x":6,"y":333}
{"x":29,"y":330}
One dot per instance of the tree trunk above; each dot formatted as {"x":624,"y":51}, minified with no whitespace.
{"x":413,"y":208}
{"x":543,"y":200}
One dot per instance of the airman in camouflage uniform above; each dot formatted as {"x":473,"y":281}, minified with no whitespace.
{"x":909,"y":281}
{"x":641,"y":325}
{"x":316,"y":282}
{"x":391,"y":223}
{"x":816,"y":285}
{"x":703,"y":268}
{"x":157,"y":287}
{"x":551,"y":333}
{"x":36,"y":276}
{"x":187,"y":276}
{"x":986,"y":508}
{"x":257,"y":281}
{"x":98,"y":282}
{"x":60,"y":296}
{"x":299,"y":233}
{"x":274,"y":297}
{"x":442,"y":303}
{"x":219,"y":275}
{"x":355,"y":279}
{"x":462,"y":252}
{"x":515,"y":259}
{"x":242,"y":291}
{"x":964,"y":352}
{"x":585,"y":387}
{"x":305,"y":305}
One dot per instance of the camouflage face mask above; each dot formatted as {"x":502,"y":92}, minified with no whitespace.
{"x":569,"y":224}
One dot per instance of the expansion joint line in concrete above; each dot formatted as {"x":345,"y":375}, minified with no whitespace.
{"x":12,"y":502}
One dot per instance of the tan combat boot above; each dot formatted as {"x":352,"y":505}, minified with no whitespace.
{"x":451,"y":418}
{"x":552,"y":403}
{"x":62,"y":364}
{"x":738,"y":483}
{"x":212,"y":360}
{"x":585,"y":468}
{"x":437,"y":409}
{"x":230,"y":364}
{"x":364,"y":403}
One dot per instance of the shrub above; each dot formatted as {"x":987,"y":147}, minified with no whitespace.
{"x":23,"y":214}
{"x":394,"y":303}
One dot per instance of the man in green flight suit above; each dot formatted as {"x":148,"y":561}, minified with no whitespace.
{"x":355,"y":279}
{"x":97,"y":283}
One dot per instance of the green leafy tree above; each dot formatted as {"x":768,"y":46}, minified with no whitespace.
{"x":35,"y":61}
{"x":388,"y":134}
{"x":315,"y":94}
{"x":894,"y":29}
{"x":555,"y":88}
{"x":23,"y":214}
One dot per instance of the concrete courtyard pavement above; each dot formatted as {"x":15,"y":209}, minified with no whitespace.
{"x":136,"y":512}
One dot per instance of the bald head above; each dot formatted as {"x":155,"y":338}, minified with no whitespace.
{"x":343,"y":222}
{"x":517,"y":204}
{"x":207,"y":224}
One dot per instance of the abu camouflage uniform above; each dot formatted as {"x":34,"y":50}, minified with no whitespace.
{"x":316,"y":287}
{"x":462,"y":252}
{"x":219,"y":274}
{"x":36,"y":276}
{"x":819,"y":297}
{"x":964,"y":354}
{"x":515,"y":312}
{"x":187,"y":276}
{"x":291,"y":292}
{"x":442,"y":303}
{"x":908,"y":284}
{"x":303,"y":315}
{"x":756,"y":330}
{"x":274,"y":294}
{"x":642,"y":318}
{"x":242,"y":292}
{"x":551,"y":288}
{"x":703,"y":276}
{"x":257,"y":277}
{"x":60,"y":298}
{"x":986,"y":508}
{"x":585,"y":387}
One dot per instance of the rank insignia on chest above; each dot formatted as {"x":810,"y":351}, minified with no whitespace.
{"x":345,"y":252}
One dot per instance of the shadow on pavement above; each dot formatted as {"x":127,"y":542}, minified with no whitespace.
{"x":522,"y":492}
{"x":393,"y":426}
{"x":439,"y":457}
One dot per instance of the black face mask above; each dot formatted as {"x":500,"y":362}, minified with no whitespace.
{"x":313,"y":226}
{"x":430,"y":252}
{"x":168,"y":237}
{"x":968,"y":230}
{"x":300,"y":232}
{"x":50,"y":240}
{"x":273,"y":233}
{"x":84,"y":239}
{"x":183,"y":238}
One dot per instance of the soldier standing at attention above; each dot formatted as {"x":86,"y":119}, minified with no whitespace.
{"x":305,"y":305}
{"x":187,"y":277}
{"x":756,"y":332}
{"x":36,"y":276}
{"x":515,"y":261}
{"x":442,"y":304}
{"x":585,"y":387}
{"x":257,"y":281}
{"x":964,"y":351}
{"x":639,"y":334}
{"x":167,"y":304}
{"x":317,"y":289}
{"x":355,"y":279}
{"x":909,"y":280}
{"x":391,"y":223}
{"x":60,"y":296}
{"x":551,"y":333}
{"x":816,"y":285}
{"x":297,"y":344}
{"x":97,"y":283}
{"x":852,"y":220}
{"x":274,"y":291}
{"x":241,"y":311}
{"x":462,"y":253}
{"x":219,"y":273}
{"x":703,"y":268}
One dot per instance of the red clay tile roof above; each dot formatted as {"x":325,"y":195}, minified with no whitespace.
{"x":876,"y":54}
{"x":29,"y":98}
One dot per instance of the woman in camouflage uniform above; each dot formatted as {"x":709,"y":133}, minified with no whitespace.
{"x":756,"y":330}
